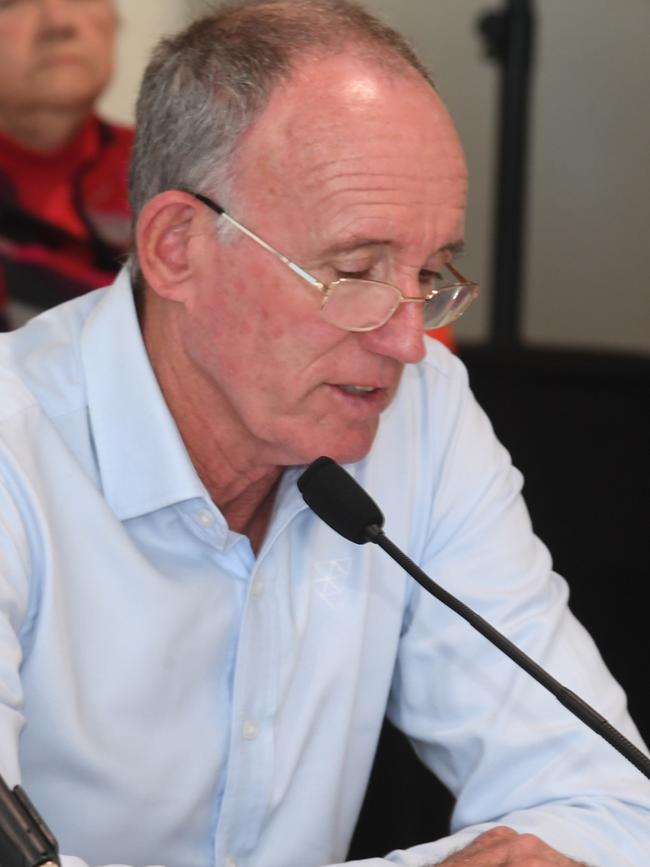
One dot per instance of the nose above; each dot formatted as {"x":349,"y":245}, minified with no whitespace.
{"x":401,"y":338}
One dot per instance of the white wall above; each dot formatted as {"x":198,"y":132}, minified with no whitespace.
{"x":143,"y":23}
{"x":589,"y":251}
{"x":588,"y":262}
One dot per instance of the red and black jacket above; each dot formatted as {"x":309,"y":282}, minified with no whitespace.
{"x":64,"y":216}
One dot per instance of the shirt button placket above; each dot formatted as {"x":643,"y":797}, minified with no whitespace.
{"x":251,"y":758}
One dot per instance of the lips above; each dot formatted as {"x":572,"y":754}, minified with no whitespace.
{"x":364,"y":391}
{"x":361,"y":398}
{"x":357,"y":389}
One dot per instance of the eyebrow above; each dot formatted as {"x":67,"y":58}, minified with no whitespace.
{"x":454,"y":247}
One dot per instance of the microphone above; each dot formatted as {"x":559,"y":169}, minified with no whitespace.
{"x":343,"y":504}
{"x":25,"y":839}
{"x":339,"y":500}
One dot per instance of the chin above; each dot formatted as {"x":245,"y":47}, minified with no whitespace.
{"x":347,"y":450}
{"x":73,"y":85}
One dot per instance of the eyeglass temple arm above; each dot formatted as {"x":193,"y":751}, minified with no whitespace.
{"x":295,"y":268}
{"x":458,"y":275}
{"x":461,"y":281}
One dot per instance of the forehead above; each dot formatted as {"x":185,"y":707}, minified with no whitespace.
{"x":24,"y":20}
{"x":28,"y":7}
{"x":348,"y":143}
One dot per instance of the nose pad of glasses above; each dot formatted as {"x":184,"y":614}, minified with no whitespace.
{"x":359,"y":305}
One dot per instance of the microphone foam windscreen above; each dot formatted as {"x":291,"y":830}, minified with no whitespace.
{"x":339,"y":500}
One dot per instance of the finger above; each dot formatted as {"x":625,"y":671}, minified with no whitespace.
{"x":528,"y":849}
{"x":486,"y":850}
{"x":504,"y":847}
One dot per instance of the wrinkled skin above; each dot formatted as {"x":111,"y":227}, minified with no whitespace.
{"x":349,"y":169}
{"x":503,"y":847}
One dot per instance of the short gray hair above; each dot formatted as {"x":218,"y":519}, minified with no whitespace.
{"x":205,"y":86}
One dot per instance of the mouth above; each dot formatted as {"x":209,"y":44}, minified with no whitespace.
{"x":357,"y":390}
{"x":61,"y":55}
{"x":360,"y":400}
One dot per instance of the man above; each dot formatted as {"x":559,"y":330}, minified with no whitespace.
{"x":195,"y":668}
{"x":64,"y":217}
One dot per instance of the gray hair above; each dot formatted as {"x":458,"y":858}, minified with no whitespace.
{"x":205,"y":86}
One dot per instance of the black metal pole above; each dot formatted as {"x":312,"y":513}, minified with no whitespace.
{"x":510,"y":38}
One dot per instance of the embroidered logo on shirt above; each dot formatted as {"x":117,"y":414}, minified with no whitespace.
{"x":330,"y":580}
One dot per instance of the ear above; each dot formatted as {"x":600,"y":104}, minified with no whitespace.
{"x":166,"y":228}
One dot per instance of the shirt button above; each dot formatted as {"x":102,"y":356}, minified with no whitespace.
{"x":258,"y":587}
{"x":204,"y":518}
{"x":249,"y":730}
{"x":230,"y":862}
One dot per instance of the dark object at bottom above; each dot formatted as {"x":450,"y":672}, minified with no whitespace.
{"x":404,"y":805}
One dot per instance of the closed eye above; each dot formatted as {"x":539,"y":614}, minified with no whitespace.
{"x":431,"y":278}
{"x":354,"y":275}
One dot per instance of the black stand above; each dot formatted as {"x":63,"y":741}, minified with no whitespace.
{"x":509,"y":38}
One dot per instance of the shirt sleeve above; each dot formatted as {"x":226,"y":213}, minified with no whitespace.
{"x":14,"y":602}
{"x":506,"y":748}
{"x":18,"y":604}
{"x":71,"y":861}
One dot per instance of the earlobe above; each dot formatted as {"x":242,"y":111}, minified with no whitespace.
{"x":164,"y":231}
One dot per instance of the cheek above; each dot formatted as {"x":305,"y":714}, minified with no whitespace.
{"x":97,"y":35}
{"x":17,"y":50}
{"x":261,"y":331}
{"x":261,"y":306}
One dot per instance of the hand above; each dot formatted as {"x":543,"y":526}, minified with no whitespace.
{"x":503,"y":847}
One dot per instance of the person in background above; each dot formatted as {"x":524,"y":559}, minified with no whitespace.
{"x":194,"y":668}
{"x":64,"y":216}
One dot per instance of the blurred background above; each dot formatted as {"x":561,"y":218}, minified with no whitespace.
{"x":587,"y":256}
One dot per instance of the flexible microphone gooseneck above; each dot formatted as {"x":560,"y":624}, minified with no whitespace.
{"x":343,"y":504}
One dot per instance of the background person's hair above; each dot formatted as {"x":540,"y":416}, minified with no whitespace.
{"x":204,"y":87}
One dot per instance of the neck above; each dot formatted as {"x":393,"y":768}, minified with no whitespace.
{"x":226,"y":459}
{"x":43,"y":129}
{"x":245,"y":495}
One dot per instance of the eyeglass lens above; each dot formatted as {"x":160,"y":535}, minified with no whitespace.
{"x":360,"y":305}
{"x":447,"y":305}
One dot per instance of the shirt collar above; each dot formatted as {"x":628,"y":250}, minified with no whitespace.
{"x":143,"y":462}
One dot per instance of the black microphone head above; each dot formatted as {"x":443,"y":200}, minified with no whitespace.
{"x":339,"y":500}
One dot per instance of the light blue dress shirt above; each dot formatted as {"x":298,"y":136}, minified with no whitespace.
{"x":170,"y":699}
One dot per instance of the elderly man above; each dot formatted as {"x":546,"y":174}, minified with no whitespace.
{"x":64,"y":216}
{"x":195,"y":668}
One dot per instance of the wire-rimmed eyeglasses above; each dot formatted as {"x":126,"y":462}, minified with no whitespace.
{"x":356,"y":304}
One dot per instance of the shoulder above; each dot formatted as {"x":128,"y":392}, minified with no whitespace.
{"x":441,"y":359}
{"x":16,"y":396}
{"x":419,"y":432}
{"x":439,"y":381}
{"x":40,"y":364}
{"x":429,"y":398}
